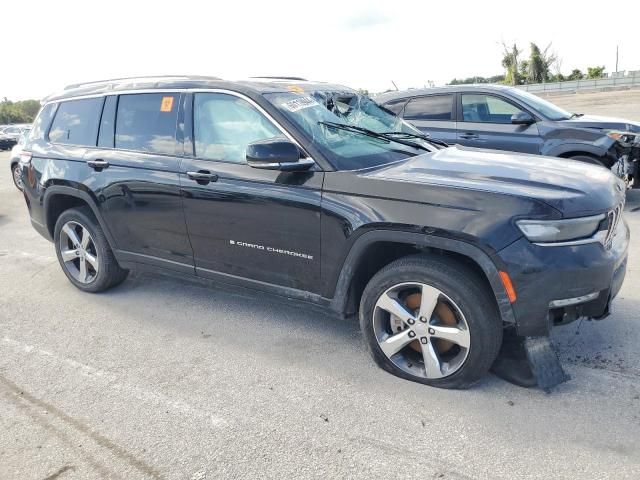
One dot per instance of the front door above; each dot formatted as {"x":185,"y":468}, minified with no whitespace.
{"x":262,"y":225}
{"x":484,"y":121}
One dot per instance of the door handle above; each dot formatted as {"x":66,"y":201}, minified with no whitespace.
{"x":469,"y":136}
{"x":203,"y":176}
{"x":98,"y":164}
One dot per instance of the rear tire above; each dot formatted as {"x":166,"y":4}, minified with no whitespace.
{"x":84,"y":252}
{"x":464,"y":310}
{"x":16,"y":173}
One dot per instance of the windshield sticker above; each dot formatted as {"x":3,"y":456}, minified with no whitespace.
{"x":295,"y":88}
{"x":300,"y":103}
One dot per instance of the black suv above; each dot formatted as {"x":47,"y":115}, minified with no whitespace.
{"x":314,"y":192}
{"x":508,"y":118}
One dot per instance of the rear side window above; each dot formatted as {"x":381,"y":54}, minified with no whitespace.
{"x":76,"y":122}
{"x":435,"y":107}
{"x":147,"y":122}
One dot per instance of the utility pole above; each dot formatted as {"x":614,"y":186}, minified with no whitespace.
{"x":616,"y":58}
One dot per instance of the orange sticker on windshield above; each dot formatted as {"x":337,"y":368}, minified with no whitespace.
{"x":167,"y":104}
{"x":295,"y":89}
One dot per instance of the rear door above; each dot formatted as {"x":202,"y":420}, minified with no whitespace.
{"x":484,"y":121}
{"x":135,"y":175}
{"x":262,"y":225}
{"x":434,"y":115}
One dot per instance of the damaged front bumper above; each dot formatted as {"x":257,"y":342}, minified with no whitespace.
{"x":624,"y":155}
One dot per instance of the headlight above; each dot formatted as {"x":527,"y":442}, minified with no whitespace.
{"x":553,"y":231}
{"x":625,"y":137}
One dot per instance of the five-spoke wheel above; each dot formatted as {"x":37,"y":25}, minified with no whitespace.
{"x":431,"y":319}
{"x":78,"y":252}
{"x":421,"y":330}
{"x":84,"y":252}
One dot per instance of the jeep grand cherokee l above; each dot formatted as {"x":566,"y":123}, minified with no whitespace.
{"x":311,"y":191}
{"x":507,"y":118}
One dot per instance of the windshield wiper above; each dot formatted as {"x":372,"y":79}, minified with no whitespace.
{"x":426,"y":138}
{"x":576,"y":115}
{"x":371,"y":133}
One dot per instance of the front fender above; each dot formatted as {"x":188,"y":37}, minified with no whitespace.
{"x":472,"y":252}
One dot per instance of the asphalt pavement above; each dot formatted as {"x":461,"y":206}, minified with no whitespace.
{"x":163,"y":378}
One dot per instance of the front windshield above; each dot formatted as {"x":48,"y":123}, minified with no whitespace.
{"x":346,"y":150}
{"x":547,"y":109}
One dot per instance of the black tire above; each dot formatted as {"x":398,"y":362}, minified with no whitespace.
{"x":18,"y":184}
{"x":464,"y":287}
{"x":109,"y":273}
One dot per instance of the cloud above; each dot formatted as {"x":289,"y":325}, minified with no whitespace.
{"x":366,"y":19}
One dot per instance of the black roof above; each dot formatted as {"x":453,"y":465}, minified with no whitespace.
{"x":417,"y":92}
{"x":253,"y":85}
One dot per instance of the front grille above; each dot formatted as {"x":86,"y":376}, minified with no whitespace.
{"x":613,"y":217}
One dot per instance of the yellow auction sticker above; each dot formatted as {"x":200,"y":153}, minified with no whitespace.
{"x":167,"y":104}
{"x":295,"y":89}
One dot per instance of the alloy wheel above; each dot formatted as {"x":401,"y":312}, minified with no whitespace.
{"x":421,"y":330}
{"x":78,"y":252}
{"x":17,"y":177}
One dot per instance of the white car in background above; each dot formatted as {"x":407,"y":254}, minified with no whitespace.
{"x":14,"y":159}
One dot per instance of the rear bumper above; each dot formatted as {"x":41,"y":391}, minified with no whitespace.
{"x":556,"y":285}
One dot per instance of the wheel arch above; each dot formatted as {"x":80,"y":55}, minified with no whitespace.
{"x":566,"y":150}
{"x":59,"y":198}
{"x":358,"y":268}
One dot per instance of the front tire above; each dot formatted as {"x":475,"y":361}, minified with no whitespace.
{"x":431,"y":320}
{"x":84,"y":252}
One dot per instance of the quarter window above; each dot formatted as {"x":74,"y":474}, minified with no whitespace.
{"x":433,"y":107}
{"x":147,"y":122}
{"x":224,"y":125}
{"x":487,"y":109}
{"x":76,"y":122}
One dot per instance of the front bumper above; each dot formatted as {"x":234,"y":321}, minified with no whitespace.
{"x":556,"y":285}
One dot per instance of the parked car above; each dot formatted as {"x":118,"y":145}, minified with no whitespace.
{"x":313,"y":192}
{"x":10,"y":135}
{"x":508,"y":118}
{"x":14,"y":159}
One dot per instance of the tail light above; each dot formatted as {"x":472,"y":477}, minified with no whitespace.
{"x":25,"y":157}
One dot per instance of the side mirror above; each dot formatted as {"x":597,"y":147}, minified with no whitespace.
{"x":522,"y":118}
{"x":277,"y":154}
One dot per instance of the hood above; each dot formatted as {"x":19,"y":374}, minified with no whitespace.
{"x":603,"y":123}
{"x":571,"y":187}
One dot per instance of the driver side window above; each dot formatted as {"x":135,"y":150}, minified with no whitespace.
{"x":224,"y":125}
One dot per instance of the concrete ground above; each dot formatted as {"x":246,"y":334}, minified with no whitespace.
{"x":619,"y":103}
{"x":166,"y":379}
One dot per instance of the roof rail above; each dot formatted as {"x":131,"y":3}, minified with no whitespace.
{"x":299,"y":79}
{"x":143,"y":77}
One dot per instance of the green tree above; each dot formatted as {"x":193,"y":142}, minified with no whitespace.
{"x":595,"y":72}
{"x":540,"y":63}
{"x":18,"y":112}
{"x":575,"y":74}
{"x":523,"y":68}
{"x":510,"y":63}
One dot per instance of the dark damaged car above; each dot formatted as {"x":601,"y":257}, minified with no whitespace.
{"x":313,"y":192}
{"x":507,"y":118}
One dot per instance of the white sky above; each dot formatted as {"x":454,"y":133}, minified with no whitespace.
{"x":362,"y":44}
